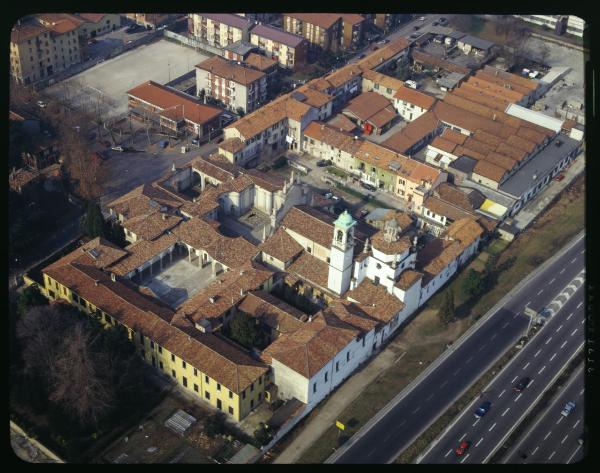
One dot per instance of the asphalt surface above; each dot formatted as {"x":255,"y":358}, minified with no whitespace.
{"x":413,"y":412}
{"x":542,"y":359}
{"x":554,"y":438}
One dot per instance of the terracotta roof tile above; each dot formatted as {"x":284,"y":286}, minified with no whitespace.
{"x":311,"y":269}
{"x":220,"y":67}
{"x":410,"y":95}
{"x":140,"y":252}
{"x":489,"y":170}
{"x":269,"y":182}
{"x":342,"y":123}
{"x":259,"y":62}
{"x":465,"y":230}
{"x":392,"y":247}
{"x":383,"y":80}
{"x":376,"y":300}
{"x":149,"y":227}
{"x":274,"y":312}
{"x":408,"y":278}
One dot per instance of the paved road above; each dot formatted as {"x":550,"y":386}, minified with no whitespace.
{"x":407,"y":416}
{"x":542,"y":360}
{"x":554,"y":438}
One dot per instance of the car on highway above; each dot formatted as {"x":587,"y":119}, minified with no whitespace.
{"x":522,"y":384}
{"x":569,"y":406}
{"x":462,"y":448}
{"x":481,"y":410}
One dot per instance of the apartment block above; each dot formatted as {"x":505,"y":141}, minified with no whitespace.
{"x":352,"y":30}
{"x":235,"y":85}
{"x":322,"y":30}
{"x":290,"y":50}
{"x":219,"y":29}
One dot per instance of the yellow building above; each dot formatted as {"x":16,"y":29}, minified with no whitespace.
{"x":215,"y":370}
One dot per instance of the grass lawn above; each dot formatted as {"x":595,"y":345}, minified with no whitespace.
{"x":425,"y":338}
{"x":337,"y":172}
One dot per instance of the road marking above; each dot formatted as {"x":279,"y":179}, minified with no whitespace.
{"x":582,"y":252}
{"x":583,"y":321}
{"x":514,"y":379}
{"x":570,"y":315}
{"x":470,"y":358}
{"x":537,"y":353}
{"x":553,"y":279}
{"x":563,"y":440}
{"x":482,"y":347}
{"x":401,"y":424}
{"x":492,"y":427}
{"x":543,"y":368}
{"x":493,"y":336}
{"x":449,"y":452}
{"x":507,"y":409}
{"x":548,"y":341}
{"x":479,"y":441}
{"x":581,"y":392}
{"x":466,"y":456}
{"x":505,"y":325}
{"x":525,"y":367}
{"x":528,"y":302}
{"x":541,"y":290}
{"x":558,"y":329}
{"x":371,"y":452}
{"x":475,"y":423}
{"x":573,"y":332}
{"x":579,"y":305}
{"x":429,"y":397}
{"x":536,"y":449}
{"x":571,"y":457}
{"x":575,"y":424}
{"x":573,"y":260}
{"x":416,"y":410}
{"x":564,"y":343}
{"x":456,"y":372}
{"x":552,"y":357}
{"x":500,"y":395}
{"x":443,"y":384}
{"x":559,"y":420}
{"x":530,"y":383}
{"x":385,"y":439}
{"x":562,"y":271}
{"x":551,"y":455}
{"x":464,"y":435}
{"x":548,"y":434}
{"x":517,"y":398}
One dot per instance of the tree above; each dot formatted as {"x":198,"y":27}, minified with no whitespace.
{"x":245,"y":330}
{"x":215,"y":424}
{"x":446,"y":310}
{"x":473,"y":284}
{"x":30,"y":297}
{"x":93,"y":224}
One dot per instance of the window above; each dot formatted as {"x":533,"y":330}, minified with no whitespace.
{"x":364,"y":339}
{"x":172,"y":357}
{"x":195,"y":372}
{"x":173,"y":374}
{"x":206,"y":394}
{"x":151,"y":344}
{"x":160,"y":364}
{"x":244,"y":394}
{"x":251,"y":403}
{"x":218,"y":387}
{"x":259,"y":396}
{"x":348,"y":356}
{"x":230,"y":395}
{"x":252,"y":387}
{"x":206,"y":380}
{"x":315,"y":387}
{"x":183,"y":364}
{"x":159,"y":349}
{"x":337,"y":366}
{"x":195,"y":387}
{"x":184,"y":382}
{"x":326,"y":376}
{"x":230,"y":410}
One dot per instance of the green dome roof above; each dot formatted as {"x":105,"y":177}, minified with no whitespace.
{"x":344,"y":220}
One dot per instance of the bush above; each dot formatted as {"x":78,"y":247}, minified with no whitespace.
{"x":215,"y":425}
{"x":262,"y":435}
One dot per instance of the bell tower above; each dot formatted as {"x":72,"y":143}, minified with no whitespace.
{"x":342,"y":251}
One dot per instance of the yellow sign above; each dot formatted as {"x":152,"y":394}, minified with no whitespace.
{"x":339,"y":425}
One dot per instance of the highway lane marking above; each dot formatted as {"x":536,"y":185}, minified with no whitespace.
{"x":559,"y":420}
{"x":525,"y":367}
{"x":493,"y":336}
{"x":492,"y":427}
{"x":456,"y":372}
{"x":449,"y":452}
{"x":443,"y":384}
{"x":548,"y":341}
{"x":573,"y":332}
{"x":500,"y":395}
{"x":517,"y":398}
{"x":548,"y":434}
{"x":401,"y":424}
{"x":573,"y":260}
{"x":552,"y":357}
{"x":582,"y":252}
{"x":553,"y":279}
{"x":505,"y":325}
{"x":536,"y":449}
{"x":385,"y":439}
{"x":575,"y":424}
{"x":583,"y":321}
{"x":416,"y":410}
{"x":564,"y":343}
{"x":541,"y":290}
{"x":460,"y":439}
{"x":475,"y":423}
{"x":429,"y":397}
{"x":479,"y":441}
{"x":579,"y":305}
{"x":528,"y":302}
{"x":551,"y":455}
{"x":558,"y":329}
{"x":466,"y":456}
{"x":563,"y":440}
{"x":514,"y":379}
{"x":543,"y":368}
{"x":530,"y":383}
{"x":581,"y":392}
{"x":507,"y":409}
{"x":537,"y":353}
{"x":570,"y":315}
{"x":372,"y":451}
{"x":482,"y":347}
{"x":562,"y":271}
{"x":571,"y":457}
{"x":470,"y":358}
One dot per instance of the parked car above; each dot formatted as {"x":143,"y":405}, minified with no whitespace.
{"x":163,"y":144}
{"x":559,"y":178}
{"x":481,"y":410}
{"x":118,"y":148}
{"x":360,"y":56}
{"x":522,"y":384}
{"x":363,"y":213}
{"x":92,"y":41}
{"x":323,"y":163}
{"x":422,"y":18}
{"x":383,"y":41}
{"x":196,"y":142}
{"x":462,"y":448}
{"x":41,"y":104}
{"x":368,"y":186}
{"x":416,"y":27}
{"x":435,"y":23}
{"x":415,"y":35}
{"x":569,"y":406}
{"x":442,"y":21}
{"x":328,"y":195}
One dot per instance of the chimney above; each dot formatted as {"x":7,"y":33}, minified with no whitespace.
{"x":310,"y":317}
{"x":241,"y":292}
{"x":113,"y":278}
{"x":96,"y":282}
{"x":212,"y":299}
{"x":164,"y":216}
{"x":355,"y":137}
{"x":322,"y":126}
{"x":494,"y":117}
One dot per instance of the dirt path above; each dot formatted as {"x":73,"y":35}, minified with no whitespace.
{"x":416,"y":333}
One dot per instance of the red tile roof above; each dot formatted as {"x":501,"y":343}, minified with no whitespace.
{"x":410,"y":95}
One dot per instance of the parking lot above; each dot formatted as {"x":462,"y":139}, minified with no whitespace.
{"x":109,"y":81}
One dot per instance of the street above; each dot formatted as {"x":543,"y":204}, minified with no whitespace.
{"x":414,"y":409}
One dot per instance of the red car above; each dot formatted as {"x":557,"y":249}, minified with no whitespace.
{"x":559,"y":178}
{"x":462,"y":448}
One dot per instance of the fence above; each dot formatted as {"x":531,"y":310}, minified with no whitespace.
{"x":193,"y":43}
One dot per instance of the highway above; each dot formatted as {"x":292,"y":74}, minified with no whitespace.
{"x":542,"y":359}
{"x":554,"y":438}
{"x":413,"y":410}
